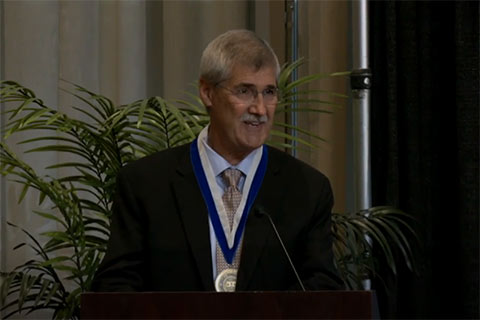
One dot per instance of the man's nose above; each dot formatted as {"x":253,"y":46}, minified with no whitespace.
{"x":258,"y":105}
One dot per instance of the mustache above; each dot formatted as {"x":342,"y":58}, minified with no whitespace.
{"x":247,"y":117}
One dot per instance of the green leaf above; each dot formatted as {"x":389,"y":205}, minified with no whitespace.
{"x":300,"y":130}
{"x":32,"y":117}
{"x":41,"y":293}
{"x":54,"y":261}
{"x":60,"y":148}
{"x":41,"y":197}
{"x":63,"y":236}
{"x":21,"y":108}
{"x":292,"y":138}
{"x":53,"y":118}
{"x":143,"y":106}
{"x":50,"y":217}
{"x":23,"y":193}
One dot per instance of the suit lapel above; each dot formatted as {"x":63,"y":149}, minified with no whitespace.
{"x":258,"y":229}
{"x":195,"y":218}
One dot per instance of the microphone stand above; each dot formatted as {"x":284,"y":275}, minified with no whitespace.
{"x":261,"y":212}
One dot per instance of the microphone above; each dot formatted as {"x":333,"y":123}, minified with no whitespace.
{"x":259,"y":212}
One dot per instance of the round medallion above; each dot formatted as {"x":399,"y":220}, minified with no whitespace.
{"x":226,"y":280}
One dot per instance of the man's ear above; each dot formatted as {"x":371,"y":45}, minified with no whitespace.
{"x":206,"y":91}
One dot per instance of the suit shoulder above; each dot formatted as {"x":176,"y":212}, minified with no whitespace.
{"x":168,"y":158}
{"x":285,"y":161}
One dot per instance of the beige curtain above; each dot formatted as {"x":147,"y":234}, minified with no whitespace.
{"x":323,"y":42}
{"x":127,"y":50}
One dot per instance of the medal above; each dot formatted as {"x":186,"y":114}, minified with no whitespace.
{"x":226,"y":281}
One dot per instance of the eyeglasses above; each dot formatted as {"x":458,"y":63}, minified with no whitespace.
{"x":247,"y":94}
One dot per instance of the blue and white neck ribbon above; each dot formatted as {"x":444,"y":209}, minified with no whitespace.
{"x":228,"y":240}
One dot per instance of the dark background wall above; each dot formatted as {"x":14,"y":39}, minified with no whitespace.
{"x":425,"y":155}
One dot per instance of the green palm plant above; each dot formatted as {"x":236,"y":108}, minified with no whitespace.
{"x":66,"y":258}
{"x":82,"y":200}
{"x":357,"y":236}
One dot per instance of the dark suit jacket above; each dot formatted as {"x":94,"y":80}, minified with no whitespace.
{"x":160,"y":235}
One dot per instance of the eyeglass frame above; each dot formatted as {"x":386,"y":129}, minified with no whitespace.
{"x":254,"y":93}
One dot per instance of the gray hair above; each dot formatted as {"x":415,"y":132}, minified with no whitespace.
{"x":233,"y":47}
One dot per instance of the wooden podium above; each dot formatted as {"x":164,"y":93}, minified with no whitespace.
{"x":238,"y":305}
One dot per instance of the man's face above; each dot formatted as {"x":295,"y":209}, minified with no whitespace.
{"x":238,"y":126}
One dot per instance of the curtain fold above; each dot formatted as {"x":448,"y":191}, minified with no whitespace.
{"x":425,"y":103}
{"x":324,"y":43}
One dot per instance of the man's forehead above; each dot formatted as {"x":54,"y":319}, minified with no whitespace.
{"x":251,"y":68}
{"x":253,"y":85}
{"x":251,"y":75}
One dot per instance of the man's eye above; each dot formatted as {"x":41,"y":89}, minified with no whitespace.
{"x":269,"y":92}
{"x":242,"y":90}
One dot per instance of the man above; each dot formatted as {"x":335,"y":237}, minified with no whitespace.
{"x":196,"y":217}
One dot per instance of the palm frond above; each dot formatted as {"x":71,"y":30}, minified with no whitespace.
{"x":357,"y":235}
